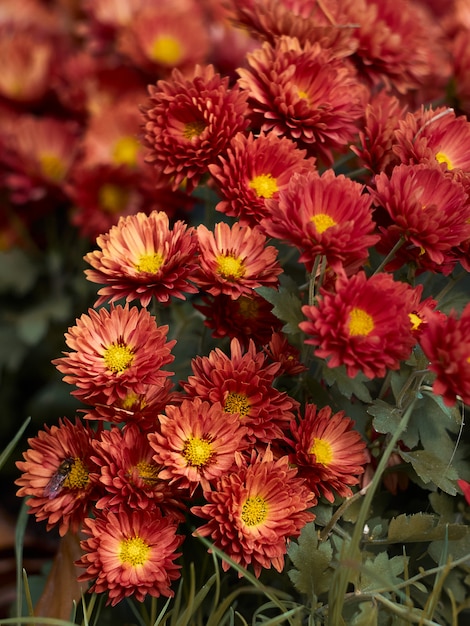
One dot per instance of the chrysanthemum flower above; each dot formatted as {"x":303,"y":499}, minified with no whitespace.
{"x":304,"y":93}
{"x":446,"y":343}
{"x":279,"y":350}
{"x":57,"y":475}
{"x":235,"y":260}
{"x":115,"y":353}
{"x":246,"y":318}
{"x":323,"y":215}
{"x":254,"y":510}
{"x":243,"y":384}
{"x":196,"y":443}
{"x":428,"y":209}
{"x":190,"y":122}
{"x":130,"y":477}
{"x":254,"y":170}
{"x":141,"y":258}
{"x":465,"y":487}
{"x":365,"y":324}
{"x":328,"y":452}
{"x":130,"y":553}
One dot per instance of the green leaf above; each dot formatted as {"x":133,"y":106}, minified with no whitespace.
{"x":311,"y":559}
{"x":286,"y":307}
{"x":386,"y":416}
{"x":380,"y":573}
{"x":347,"y":386}
{"x":367,"y":616}
{"x":458,"y":549}
{"x":422,"y":527}
{"x":432,"y":469}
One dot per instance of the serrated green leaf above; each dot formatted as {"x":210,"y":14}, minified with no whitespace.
{"x":455,"y":549}
{"x":431,"y":469}
{"x":422,"y":527}
{"x":286,"y":307}
{"x":347,"y":386}
{"x":381,"y":572}
{"x":311,"y":560}
{"x":367,"y":616}
{"x":386,"y":417}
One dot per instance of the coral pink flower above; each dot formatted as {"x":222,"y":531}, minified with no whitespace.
{"x":115,"y":353}
{"x":365,"y":324}
{"x":235,"y":260}
{"x":130,"y":553}
{"x":141,"y":258}
{"x":254,"y":510}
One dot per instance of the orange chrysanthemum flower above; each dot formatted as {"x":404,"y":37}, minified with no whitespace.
{"x":130,"y":554}
{"x":323,"y":215}
{"x":365,"y":324}
{"x":279,"y":350}
{"x":235,"y":260}
{"x":328,"y":452}
{"x":190,"y":122}
{"x":304,"y":93}
{"x":196,"y":443}
{"x":129,"y":476}
{"x":115,"y":353}
{"x":255,"y":509}
{"x":57,"y":475}
{"x":446,"y":343}
{"x":254,"y":170}
{"x":428,"y":209}
{"x":243,"y":384}
{"x":141,"y":258}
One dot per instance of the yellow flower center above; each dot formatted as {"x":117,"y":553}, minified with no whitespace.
{"x":194,"y":129}
{"x":247,"y":307}
{"x":197,"y":452}
{"x":118,"y":357}
{"x":125,"y":151}
{"x":52,"y":167}
{"x":322,"y":222}
{"x":415,"y":320}
{"x":166,"y":50}
{"x":150,"y":263}
{"x":254,"y":511}
{"x":148,"y":472}
{"x":443,"y":158}
{"x":113,"y":198}
{"x":131,"y":400}
{"x":264,"y":185}
{"x":303,"y":95}
{"x":360,"y":323}
{"x":77,"y":476}
{"x":322,"y":451}
{"x":230,"y":267}
{"x":133,"y":551}
{"x":237,"y":403}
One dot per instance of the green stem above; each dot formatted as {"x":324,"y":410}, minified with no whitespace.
{"x":390,"y":255}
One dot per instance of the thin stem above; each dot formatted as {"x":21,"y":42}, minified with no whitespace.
{"x":340,"y":511}
{"x":390,"y":255}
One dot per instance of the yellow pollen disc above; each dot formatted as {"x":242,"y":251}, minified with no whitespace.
{"x":77,"y":476}
{"x":113,"y":198}
{"x":302,"y":94}
{"x":131,"y":400}
{"x":133,"y":551}
{"x":125,"y":151}
{"x":52,"y":167}
{"x":166,"y":50}
{"x":118,"y":357}
{"x":148,"y":472}
{"x":197,"y":452}
{"x":415,"y":320}
{"x":230,"y":267}
{"x":194,"y":129}
{"x":360,"y":323}
{"x":247,"y":307}
{"x":254,"y":511}
{"x":237,"y":403}
{"x":322,"y":222}
{"x":150,"y":263}
{"x":322,"y":451}
{"x":443,"y":158}
{"x":264,"y":185}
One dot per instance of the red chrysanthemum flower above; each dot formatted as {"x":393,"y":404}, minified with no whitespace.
{"x":254,"y":510}
{"x":304,"y":93}
{"x":57,"y":475}
{"x":465,"y":487}
{"x":196,"y":443}
{"x":365,"y":324}
{"x":130,"y":554}
{"x":446,"y":343}
{"x":279,"y":350}
{"x":115,"y":353}
{"x":130,"y":477}
{"x":254,"y":170}
{"x":243,"y":384}
{"x":246,"y":318}
{"x":141,"y":258}
{"x":323,"y":215}
{"x":190,"y":122}
{"x":328,"y":452}
{"x":235,"y":260}
{"x":428,"y":210}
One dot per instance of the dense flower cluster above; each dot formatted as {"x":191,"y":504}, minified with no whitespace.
{"x":287,"y":193}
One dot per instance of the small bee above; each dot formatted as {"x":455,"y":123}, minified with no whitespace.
{"x":57,"y":479}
